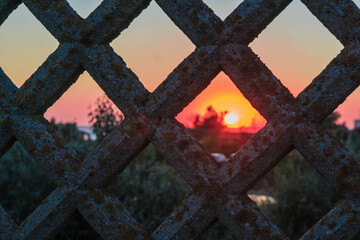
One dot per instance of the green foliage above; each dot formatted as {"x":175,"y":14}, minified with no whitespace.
{"x":23,"y":184}
{"x":150,"y":188}
{"x":104,"y":118}
{"x":72,"y":136}
{"x":349,"y":138}
{"x":352,"y":143}
{"x":77,"y":228}
{"x":217,"y":231}
{"x":302,"y":195}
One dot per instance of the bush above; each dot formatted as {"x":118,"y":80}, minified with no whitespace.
{"x":23,"y":184}
{"x":104,"y":118}
{"x":302,"y":195}
{"x":150,"y":188}
{"x":72,"y":136}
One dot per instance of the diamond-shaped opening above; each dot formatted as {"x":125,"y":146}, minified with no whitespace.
{"x":294,"y":195}
{"x":84,"y":8}
{"x":24,"y":45}
{"x":77,"y":228}
{"x":152,"y":46}
{"x":206,"y":117}
{"x":223,"y":8}
{"x":150,"y":188}
{"x":23,"y":183}
{"x":71,"y":112}
{"x":296,"y":47}
{"x":217,"y":231}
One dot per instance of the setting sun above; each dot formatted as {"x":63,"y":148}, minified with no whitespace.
{"x":231,"y":119}
{"x":224,"y":96}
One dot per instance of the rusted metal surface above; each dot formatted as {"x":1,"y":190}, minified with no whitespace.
{"x":7,"y":225}
{"x":344,"y":22}
{"x":219,"y":189}
{"x":108,"y":216}
{"x":255,"y":80}
{"x":256,"y":158}
{"x":48,"y":218}
{"x":195,"y":19}
{"x":110,"y":19}
{"x":245,"y":220}
{"x":244,"y":24}
{"x":189,"y":220}
{"x":342,"y":222}
{"x":6,"y":8}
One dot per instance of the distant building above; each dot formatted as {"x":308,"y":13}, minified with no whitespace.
{"x":88,"y":133}
{"x":357,"y":124}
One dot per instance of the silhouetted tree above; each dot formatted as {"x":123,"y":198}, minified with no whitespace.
{"x":211,"y":119}
{"x":104,"y":118}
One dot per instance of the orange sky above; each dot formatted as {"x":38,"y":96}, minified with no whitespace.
{"x":153,"y":46}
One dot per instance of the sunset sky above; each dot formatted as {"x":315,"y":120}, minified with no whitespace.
{"x":295,"y":46}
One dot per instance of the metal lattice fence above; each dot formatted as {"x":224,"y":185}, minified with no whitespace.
{"x":219,"y":190}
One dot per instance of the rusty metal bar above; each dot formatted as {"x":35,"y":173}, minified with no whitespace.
{"x":244,"y":24}
{"x":110,"y":19}
{"x":195,"y":19}
{"x":341,"y":18}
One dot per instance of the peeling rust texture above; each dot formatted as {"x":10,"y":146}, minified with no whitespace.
{"x":6,"y":8}
{"x":219,"y":189}
{"x":244,"y":219}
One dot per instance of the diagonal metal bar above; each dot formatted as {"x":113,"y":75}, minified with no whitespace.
{"x":7,"y":7}
{"x":57,"y":17}
{"x":250,"y":18}
{"x":191,"y":77}
{"x":118,"y":82}
{"x":108,"y":216}
{"x":7,"y":224}
{"x":326,"y":154}
{"x":110,"y":19}
{"x":342,"y":222}
{"x":327,"y":91}
{"x":195,"y":19}
{"x":190,"y":159}
{"x":6,"y":141}
{"x":49,"y":82}
{"x":243,"y":218}
{"x":341,"y":18}
{"x":263,"y":90}
{"x":188,"y":220}
{"x":114,"y":153}
{"x":7,"y":89}
{"x":40,"y":139}
{"x":47,"y":219}
{"x":256,"y":158}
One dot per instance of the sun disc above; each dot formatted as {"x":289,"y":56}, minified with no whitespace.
{"x":231,"y":118}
